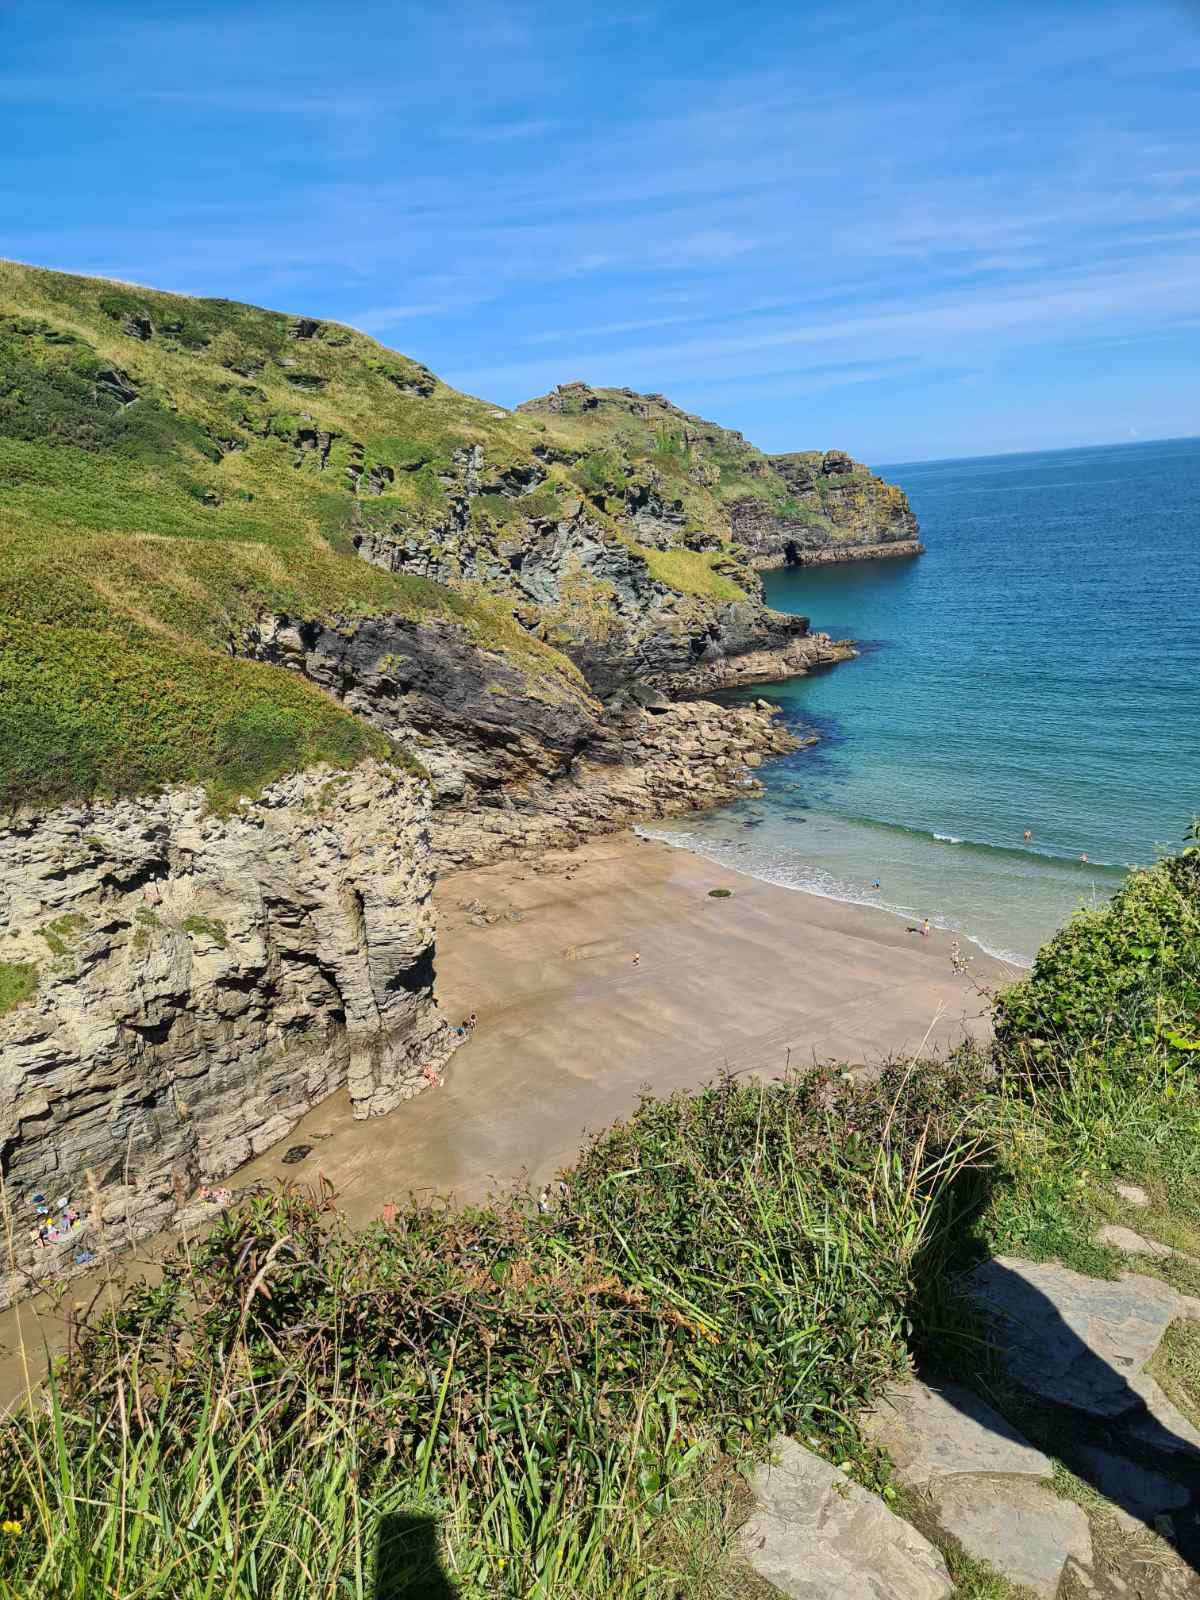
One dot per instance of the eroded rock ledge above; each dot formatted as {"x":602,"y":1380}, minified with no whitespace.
{"x":201,"y":982}
{"x":656,"y":760}
{"x":520,"y":762}
{"x":841,"y":552}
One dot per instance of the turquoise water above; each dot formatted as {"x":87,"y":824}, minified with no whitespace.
{"x":1038,"y":667}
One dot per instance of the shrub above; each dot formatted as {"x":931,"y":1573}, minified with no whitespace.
{"x":1121,"y":978}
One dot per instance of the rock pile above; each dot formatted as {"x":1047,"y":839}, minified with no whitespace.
{"x":654,"y":761}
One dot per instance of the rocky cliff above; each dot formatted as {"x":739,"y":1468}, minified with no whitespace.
{"x":682,"y":479}
{"x":176,"y":470}
{"x":187,"y":985}
{"x":519,"y":763}
{"x":835,"y":509}
{"x":285,"y":622}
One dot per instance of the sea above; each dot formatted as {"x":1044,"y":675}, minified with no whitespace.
{"x":1038,"y":668}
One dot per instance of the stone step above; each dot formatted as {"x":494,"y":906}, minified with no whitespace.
{"x":816,"y":1535}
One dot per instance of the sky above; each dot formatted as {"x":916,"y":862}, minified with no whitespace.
{"x":906,"y":230}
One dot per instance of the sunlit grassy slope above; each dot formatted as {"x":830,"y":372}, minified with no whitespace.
{"x":169,"y":468}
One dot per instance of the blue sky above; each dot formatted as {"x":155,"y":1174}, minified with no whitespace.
{"x":909,"y":231}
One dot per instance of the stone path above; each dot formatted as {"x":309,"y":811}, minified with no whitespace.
{"x":815,"y":1534}
{"x":1072,"y":1355}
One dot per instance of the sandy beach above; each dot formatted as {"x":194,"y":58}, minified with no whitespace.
{"x":572,"y":1030}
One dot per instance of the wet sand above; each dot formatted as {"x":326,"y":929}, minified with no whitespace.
{"x":571,"y":1031}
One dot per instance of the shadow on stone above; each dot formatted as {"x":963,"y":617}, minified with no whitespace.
{"x":409,"y":1564}
{"x":1073,"y":1352}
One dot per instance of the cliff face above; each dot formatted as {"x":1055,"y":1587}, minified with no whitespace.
{"x":602,"y":604}
{"x":198,"y":983}
{"x":834,"y":509}
{"x":682,"y":479}
{"x":514,"y":767}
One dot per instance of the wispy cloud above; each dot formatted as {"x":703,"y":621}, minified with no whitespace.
{"x":822,"y":201}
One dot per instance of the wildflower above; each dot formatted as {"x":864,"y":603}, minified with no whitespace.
{"x":10,"y":1527}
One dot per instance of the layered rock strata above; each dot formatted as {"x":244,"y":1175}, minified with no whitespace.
{"x":520,"y":763}
{"x":656,"y":760}
{"x":841,"y":552}
{"x":576,"y":585}
{"x":201,"y":982}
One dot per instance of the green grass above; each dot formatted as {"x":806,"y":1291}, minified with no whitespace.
{"x":567,"y":1403}
{"x":570,"y":1395}
{"x":18,"y":981}
{"x":157,"y":495}
{"x":692,"y":572}
{"x":1176,"y":1366}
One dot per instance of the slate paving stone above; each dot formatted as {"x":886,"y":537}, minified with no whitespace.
{"x":1018,"y":1525}
{"x":1138,"y":1493}
{"x":934,"y":1431}
{"x":816,"y":1535}
{"x":1069,"y":1339}
{"x":1130,"y":1243}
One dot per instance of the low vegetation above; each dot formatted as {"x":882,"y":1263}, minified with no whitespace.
{"x":1124,"y":976}
{"x":501,"y":1400}
{"x":18,"y":980}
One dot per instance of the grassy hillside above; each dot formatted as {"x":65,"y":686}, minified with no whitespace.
{"x":168,"y":469}
{"x":172,"y":467}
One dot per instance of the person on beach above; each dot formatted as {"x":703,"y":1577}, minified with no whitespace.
{"x":637,"y":959}
{"x":876,"y":884}
{"x":472,"y":1022}
{"x":925,"y":927}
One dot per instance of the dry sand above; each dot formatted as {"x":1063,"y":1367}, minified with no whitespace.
{"x":572,"y":1030}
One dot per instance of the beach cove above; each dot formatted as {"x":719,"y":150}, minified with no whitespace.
{"x":571,"y":1032}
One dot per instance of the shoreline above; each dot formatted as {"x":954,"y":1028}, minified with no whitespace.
{"x":658,"y":833}
{"x":572,"y":1031}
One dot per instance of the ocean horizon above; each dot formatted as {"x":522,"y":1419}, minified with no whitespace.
{"x":1034,"y":670}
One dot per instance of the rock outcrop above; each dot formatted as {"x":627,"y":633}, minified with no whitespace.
{"x":834,"y":509}
{"x":520,"y":763}
{"x":646,"y":760}
{"x":577,"y":585}
{"x":201,"y":981}
{"x":476,"y":718}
